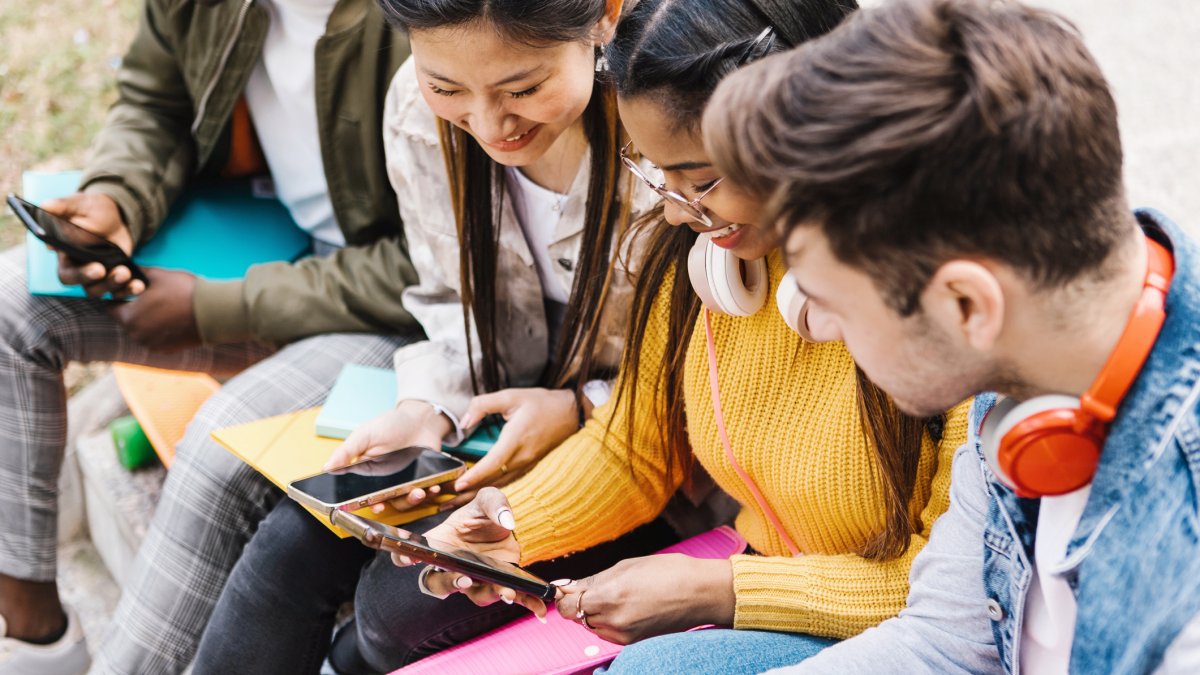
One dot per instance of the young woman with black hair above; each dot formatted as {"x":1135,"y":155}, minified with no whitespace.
{"x":504,"y":152}
{"x":839,"y":489}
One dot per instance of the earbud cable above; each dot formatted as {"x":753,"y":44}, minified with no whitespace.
{"x":720,"y":418}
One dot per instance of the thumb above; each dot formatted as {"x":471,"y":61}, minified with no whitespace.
{"x":487,"y":519}
{"x":63,"y":206}
{"x":483,"y":405}
{"x":487,"y":469}
{"x":347,"y":452}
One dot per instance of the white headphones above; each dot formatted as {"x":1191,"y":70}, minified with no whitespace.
{"x":717,"y":277}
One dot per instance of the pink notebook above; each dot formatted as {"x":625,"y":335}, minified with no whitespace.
{"x":526,"y":647}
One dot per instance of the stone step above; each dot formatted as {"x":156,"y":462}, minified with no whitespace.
{"x":120,"y":502}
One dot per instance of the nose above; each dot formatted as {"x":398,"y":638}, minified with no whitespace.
{"x":491,"y":122}
{"x":676,"y":215}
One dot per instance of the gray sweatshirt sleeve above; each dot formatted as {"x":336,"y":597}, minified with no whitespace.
{"x":945,"y":627}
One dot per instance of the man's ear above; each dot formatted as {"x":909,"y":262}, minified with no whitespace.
{"x":607,"y":28}
{"x":966,"y":300}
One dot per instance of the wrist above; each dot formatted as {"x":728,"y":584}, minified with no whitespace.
{"x":712,"y":591}
{"x":430,"y":416}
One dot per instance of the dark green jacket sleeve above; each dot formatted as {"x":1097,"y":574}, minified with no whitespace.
{"x":354,"y":289}
{"x":145,"y":153}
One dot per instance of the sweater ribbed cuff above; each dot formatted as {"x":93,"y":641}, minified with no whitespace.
{"x":817,"y":595}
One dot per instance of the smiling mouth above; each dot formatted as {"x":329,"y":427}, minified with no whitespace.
{"x":725,"y":231}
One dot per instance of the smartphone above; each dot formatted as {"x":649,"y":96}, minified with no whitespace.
{"x":475,"y":565}
{"x":376,"y":479}
{"x":77,"y":243}
{"x":479,"y":439}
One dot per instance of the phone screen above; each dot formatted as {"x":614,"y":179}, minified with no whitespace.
{"x":475,"y":565}
{"x":57,"y":231}
{"x":373,"y":474}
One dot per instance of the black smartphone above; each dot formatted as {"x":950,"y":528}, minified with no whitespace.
{"x":376,"y":479}
{"x":478,"y":566}
{"x":77,"y":243}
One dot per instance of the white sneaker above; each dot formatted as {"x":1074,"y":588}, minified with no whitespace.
{"x":67,"y":656}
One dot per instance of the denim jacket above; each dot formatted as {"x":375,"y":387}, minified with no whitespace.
{"x":1134,"y":561}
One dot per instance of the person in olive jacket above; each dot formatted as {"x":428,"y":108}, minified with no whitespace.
{"x":208,"y":90}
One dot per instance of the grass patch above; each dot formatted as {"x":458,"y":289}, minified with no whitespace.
{"x":57,"y":79}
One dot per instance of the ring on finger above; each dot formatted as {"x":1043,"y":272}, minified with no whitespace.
{"x":580,"y":615}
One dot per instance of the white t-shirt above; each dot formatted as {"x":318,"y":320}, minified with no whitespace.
{"x":538,"y":210}
{"x":283,"y":105}
{"x":1049,"y":627}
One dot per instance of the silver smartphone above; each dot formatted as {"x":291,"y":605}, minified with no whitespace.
{"x":376,"y":479}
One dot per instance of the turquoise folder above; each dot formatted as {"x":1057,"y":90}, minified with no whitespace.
{"x":216,"y":231}
{"x":362,"y":393}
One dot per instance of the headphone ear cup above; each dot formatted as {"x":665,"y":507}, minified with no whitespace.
{"x":716,"y":276}
{"x":1042,"y":447}
{"x":698,"y":272}
{"x":793,"y":306}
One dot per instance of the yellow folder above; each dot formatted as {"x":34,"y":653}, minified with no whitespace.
{"x":285,"y":448}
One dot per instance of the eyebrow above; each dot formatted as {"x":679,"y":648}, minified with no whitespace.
{"x":508,"y":80}
{"x":686,"y":166}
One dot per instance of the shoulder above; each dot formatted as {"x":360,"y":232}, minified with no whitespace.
{"x":406,"y":117}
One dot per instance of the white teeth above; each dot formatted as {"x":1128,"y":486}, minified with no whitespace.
{"x":726,"y":231}
{"x":516,"y":138}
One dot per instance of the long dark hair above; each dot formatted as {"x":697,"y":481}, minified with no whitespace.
{"x":676,"y":52}
{"x":477,"y":186}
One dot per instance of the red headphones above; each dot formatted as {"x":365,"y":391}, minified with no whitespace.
{"x":1050,"y":445}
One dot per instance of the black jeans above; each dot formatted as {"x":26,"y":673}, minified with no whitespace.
{"x":277,"y":611}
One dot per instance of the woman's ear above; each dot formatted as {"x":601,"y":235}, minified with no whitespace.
{"x":966,"y":299}
{"x":607,"y":28}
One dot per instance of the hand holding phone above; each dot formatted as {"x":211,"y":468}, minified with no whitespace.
{"x":483,"y":526}
{"x":91,"y":239}
{"x":444,"y":555}
{"x":375,"y":479}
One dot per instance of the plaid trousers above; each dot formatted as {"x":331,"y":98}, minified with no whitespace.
{"x":211,"y":502}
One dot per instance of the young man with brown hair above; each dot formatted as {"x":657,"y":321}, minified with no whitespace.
{"x":947,"y":174}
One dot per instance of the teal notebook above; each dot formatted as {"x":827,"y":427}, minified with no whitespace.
{"x":216,"y":231}
{"x":362,"y":393}
{"x":359,"y":394}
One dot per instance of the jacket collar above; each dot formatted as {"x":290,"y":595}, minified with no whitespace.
{"x":1151,"y":411}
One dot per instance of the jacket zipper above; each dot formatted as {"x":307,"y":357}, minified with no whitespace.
{"x":212,"y":85}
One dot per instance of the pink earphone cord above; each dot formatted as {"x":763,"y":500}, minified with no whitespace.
{"x":720,"y":417}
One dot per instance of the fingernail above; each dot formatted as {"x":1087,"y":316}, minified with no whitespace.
{"x":541,"y":618}
{"x":462,"y":583}
{"x":459,"y":486}
{"x":506,"y":519}
{"x":506,"y":600}
{"x":562,"y":582}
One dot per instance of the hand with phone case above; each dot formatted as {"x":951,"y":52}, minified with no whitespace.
{"x":99,"y":215}
{"x":536,"y":421}
{"x":484,"y":526}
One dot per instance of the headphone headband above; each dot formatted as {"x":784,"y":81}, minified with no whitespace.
{"x":1050,"y":445}
{"x":1101,"y":399}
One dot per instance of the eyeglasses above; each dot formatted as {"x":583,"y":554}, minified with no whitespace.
{"x":690,"y":206}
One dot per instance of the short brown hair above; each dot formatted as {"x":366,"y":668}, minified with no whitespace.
{"x":930,"y":129}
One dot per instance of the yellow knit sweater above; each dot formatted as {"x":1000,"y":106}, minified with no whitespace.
{"x":793,"y":422}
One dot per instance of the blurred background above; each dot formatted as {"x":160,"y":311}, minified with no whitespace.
{"x":58,"y":59}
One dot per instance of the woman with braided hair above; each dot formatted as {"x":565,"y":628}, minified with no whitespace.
{"x":838,"y":489}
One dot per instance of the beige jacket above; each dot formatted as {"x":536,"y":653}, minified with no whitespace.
{"x":437,"y":370}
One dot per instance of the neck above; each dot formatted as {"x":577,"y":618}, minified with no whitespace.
{"x":1076,"y":330}
{"x":555,"y":170}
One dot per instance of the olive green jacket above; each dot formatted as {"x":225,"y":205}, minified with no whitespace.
{"x":186,"y":68}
